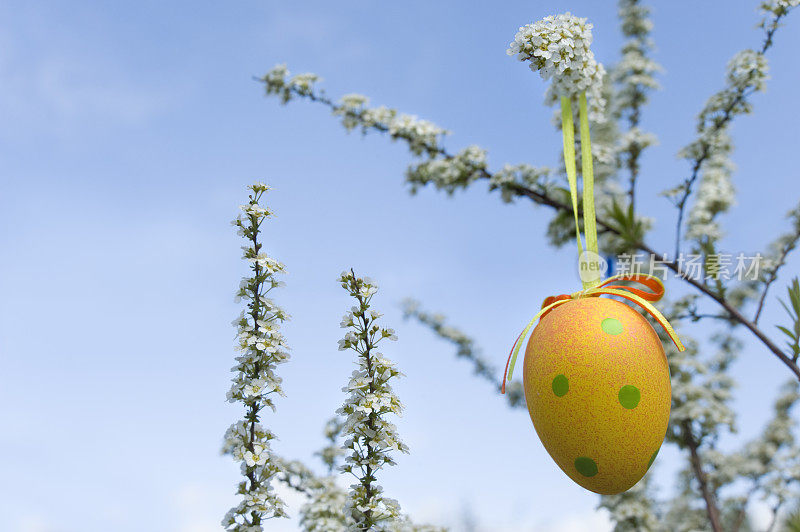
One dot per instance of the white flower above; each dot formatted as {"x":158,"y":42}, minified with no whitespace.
{"x":347,"y":320}
{"x":303,"y":83}
{"x":257,"y":456}
{"x":776,"y":8}
{"x":451,"y":173}
{"x":558,"y":47}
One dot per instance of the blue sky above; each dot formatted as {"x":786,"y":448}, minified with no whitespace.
{"x":129,"y":132}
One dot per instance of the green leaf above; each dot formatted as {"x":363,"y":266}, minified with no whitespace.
{"x":794,"y":314}
{"x":625,"y":223}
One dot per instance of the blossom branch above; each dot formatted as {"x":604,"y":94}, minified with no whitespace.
{"x":782,"y":247}
{"x":370,"y":438}
{"x":634,"y":76}
{"x":254,"y":383}
{"x":747,"y":73}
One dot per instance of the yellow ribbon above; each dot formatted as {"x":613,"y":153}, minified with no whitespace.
{"x":589,"y":218}
{"x":591,"y":288}
{"x":568,"y":134}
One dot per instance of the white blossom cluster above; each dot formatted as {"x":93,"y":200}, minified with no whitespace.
{"x":422,"y":136}
{"x":701,"y":391}
{"x":262,"y":347}
{"x":404,"y":524}
{"x":449,"y":173}
{"x":715,"y":195}
{"x":774,"y":10}
{"x":370,"y":438}
{"x":510,"y":178}
{"x":324,"y":512}
{"x":710,"y":152}
{"x":558,"y":47}
{"x":635,"y":140}
{"x":635,"y":73}
{"x":277,"y":81}
{"x":324,"y":509}
{"x":332,"y":452}
{"x":632,"y":510}
{"x":769,"y":463}
{"x":634,"y":78}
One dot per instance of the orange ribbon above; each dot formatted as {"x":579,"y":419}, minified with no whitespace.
{"x":637,"y":295}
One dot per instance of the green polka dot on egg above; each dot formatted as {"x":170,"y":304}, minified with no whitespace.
{"x":560,"y":385}
{"x":653,"y":458}
{"x":611,"y":326}
{"x":586,"y":466}
{"x":629,"y":396}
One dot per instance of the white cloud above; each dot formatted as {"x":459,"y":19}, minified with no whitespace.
{"x":33,"y":523}
{"x":53,"y":89}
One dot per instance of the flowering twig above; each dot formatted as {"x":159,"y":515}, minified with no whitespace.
{"x":370,"y":437}
{"x":634,"y":75}
{"x":784,"y":245}
{"x":769,"y":455}
{"x":459,"y":171}
{"x":700,"y":396}
{"x":332,"y":452}
{"x":634,"y":509}
{"x":747,"y":72}
{"x":262,"y":348}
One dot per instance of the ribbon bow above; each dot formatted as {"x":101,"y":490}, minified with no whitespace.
{"x":638,"y":296}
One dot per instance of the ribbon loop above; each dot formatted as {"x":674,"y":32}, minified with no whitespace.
{"x":651,"y":282}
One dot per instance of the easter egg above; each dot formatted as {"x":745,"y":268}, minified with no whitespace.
{"x":598,"y":391}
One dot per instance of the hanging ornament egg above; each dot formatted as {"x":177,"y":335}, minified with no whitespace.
{"x":598,"y":391}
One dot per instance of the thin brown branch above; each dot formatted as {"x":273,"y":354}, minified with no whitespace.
{"x":773,"y":276}
{"x":741,"y":514}
{"x":708,"y":495}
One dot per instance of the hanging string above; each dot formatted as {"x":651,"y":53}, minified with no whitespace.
{"x":568,"y":134}
{"x":589,"y":217}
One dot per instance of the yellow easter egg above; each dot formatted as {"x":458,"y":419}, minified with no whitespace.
{"x":598,"y":391}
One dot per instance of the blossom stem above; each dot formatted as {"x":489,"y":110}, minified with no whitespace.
{"x":741,"y":94}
